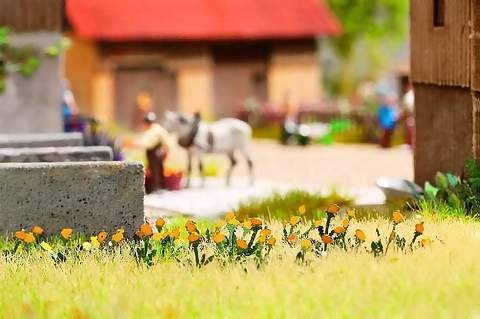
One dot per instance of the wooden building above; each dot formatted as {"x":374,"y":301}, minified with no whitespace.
{"x":192,"y":55}
{"x":445,"y":71}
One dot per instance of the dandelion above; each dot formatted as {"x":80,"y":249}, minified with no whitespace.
{"x":306,"y":244}
{"x":193,"y":237}
{"x":37,"y":230}
{"x":247,"y":224}
{"x":345,"y":223}
{"x":339,"y":230}
{"x":302,"y":209}
{"x":145,"y":230}
{"x":326,"y":239}
{"x":242,"y":244}
{"x":190,"y":226}
{"x":333,"y":209}
{"x":102,"y":236}
{"x":158,"y":236}
{"x":255,"y":222}
{"x":265,"y":232}
{"x":271,"y":241}
{"x":229,"y":216}
{"x":220,"y":223}
{"x":159,"y":223}
{"x":174,"y":233}
{"x":46,"y":246}
{"x":233,"y":222}
{"x":118,"y":236}
{"x":318,"y":223}
{"x":397,"y":217}
{"x":94,"y":241}
{"x":351,"y":213}
{"x":219,"y":238}
{"x":292,"y":239}
{"x":262,"y":239}
{"x":29,"y":238}
{"x":360,"y":235}
{"x":419,"y":228}
{"x":66,"y":233}
{"x":425,"y":242}
{"x":294,"y":220}
{"x":20,"y":234}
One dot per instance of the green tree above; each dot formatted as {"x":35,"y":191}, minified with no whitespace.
{"x":372,"y":30}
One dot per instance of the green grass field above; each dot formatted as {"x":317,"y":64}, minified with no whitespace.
{"x":441,"y":280}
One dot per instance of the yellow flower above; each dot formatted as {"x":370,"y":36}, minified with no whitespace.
{"x":271,"y":241}
{"x":66,"y":233}
{"x":256,"y":222}
{"x":345,"y":223}
{"x":327,"y":239}
{"x":292,"y":239}
{"x":333,"y":209}
{"x":158,"y":236}
{"x":46,"y":246}
{"x":193,"y":237}
{"x":339,"y":230}
{"x":242,"y":244}
{"x":29,"y":238}
{"x":220,"y":223}
{"x":265,"y":232}
{"x":426,"y":242}
{"x":397,"y":217}
{"x":160,"y":222}
{"x":262,"y":239}
{"x":219,"y":238}
{"x":233,"y":221}
{"x":419,"y":228}
{"x":174,"y":233}
{"x":37,"y":230}
{"x":318,"y":223}
{"x":302,"y":209}
{"x":360,"y":235}
{"x":247,"y":224}
{"x":229,"y":215}
{"x":20,"y":234}
{"x":94,"y":241}
{"x":118,"y":236}
{"x":102,"y":236}
{"x":294,"y":220}
{"x":306,"y":244}
{"x":351,"y":213}
{"x":145,"y":230}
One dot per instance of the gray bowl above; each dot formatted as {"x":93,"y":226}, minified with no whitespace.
{"x":399,"y":189}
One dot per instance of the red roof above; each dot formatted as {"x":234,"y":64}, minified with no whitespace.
{"x":200,"y":19}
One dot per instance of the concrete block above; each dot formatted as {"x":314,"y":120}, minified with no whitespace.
{"x":86,"y":196}
{"x":56,"y":154}
{"x":41,"y":140}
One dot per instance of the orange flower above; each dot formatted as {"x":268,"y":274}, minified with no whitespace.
{"x":256,"y":222}
{"x":345,"y":223}
{"x":20,"y":234}
{"x":327,"y":239}
{"x":294,"y":220}
{"x":193,"y":237}
{"x":190,"y":226}
{"x":306,"y":244}
{"x":145,"y":230}
{"x":271,"y":241}
{"x":419,"y":228}
{"x":397,"y":217}
{"x":333,"y":209}
{"x":174,"y":233}
{"x":229,"y":215}
{"x":265,"y":232}
{"x":242,"y":244}
{"x":37,"y":230}
{"x":160,"y":222}
{"x":102,"y":236}
{"x":292,"y":239}
{"x":219,"y":238}
{"x":118,"y":236}
{"x":302,"y":209}
{"x":360,"y":235}
{"x":339,"y":230}
{"x":351,"y":213}
{"x":66,"y":233}
{"x":29,"y":238}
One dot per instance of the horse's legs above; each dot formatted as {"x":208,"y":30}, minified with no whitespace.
{"x":200,"y":169}
{"x":250,"y":166}
{"x":189,"y":167}
{"x":233,"y":162}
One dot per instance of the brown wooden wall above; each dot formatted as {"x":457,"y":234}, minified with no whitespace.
{"x":475,"y":44}
{"x":440,"y":55}
{"x":29,"y":15}
{"x":444,"y":130}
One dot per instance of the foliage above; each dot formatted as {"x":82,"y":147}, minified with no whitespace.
{"x":281,"y":206}
{"x":370,"y":30}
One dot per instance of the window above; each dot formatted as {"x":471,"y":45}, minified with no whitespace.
{"x":438,"y":13}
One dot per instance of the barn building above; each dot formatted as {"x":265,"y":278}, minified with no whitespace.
{"x":194,"y":55}
{"x":445,"y":71}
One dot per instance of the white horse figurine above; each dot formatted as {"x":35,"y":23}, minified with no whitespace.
{"x":227,"y":136}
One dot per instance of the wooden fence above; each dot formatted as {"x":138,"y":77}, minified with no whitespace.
{"x":31,"y":15}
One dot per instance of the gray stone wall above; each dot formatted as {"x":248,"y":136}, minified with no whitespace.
{"x":56,"y":154}
{"x":32,"y":105}
{"x":41,"y":140}
{"x":88,"y":196}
